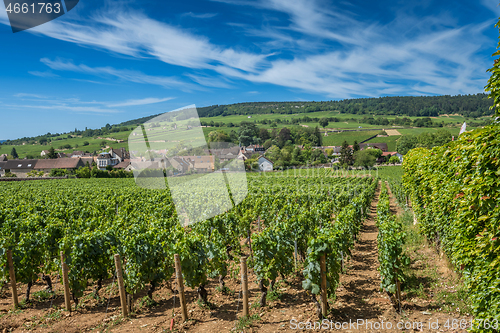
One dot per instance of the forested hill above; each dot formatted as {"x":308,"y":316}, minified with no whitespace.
{"x":422,"y":106}
{"x":426,"y":106}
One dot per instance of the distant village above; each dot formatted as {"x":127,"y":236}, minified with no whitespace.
{"x":120,"y":159}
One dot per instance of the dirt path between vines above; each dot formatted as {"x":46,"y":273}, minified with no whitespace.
{"x":359,"y":296}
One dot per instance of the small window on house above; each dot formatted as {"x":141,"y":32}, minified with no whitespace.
{"x":19,"y":165}
{"x":29,"y":165}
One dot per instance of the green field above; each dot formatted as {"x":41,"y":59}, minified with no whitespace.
{"x":346,"y":121}
{"x":336,"y":139}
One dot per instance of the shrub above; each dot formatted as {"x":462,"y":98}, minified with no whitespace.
{"x":58,"y":172}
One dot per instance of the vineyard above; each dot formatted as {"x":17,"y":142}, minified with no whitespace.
{"x":299,"y":219}
{"x":454,"y":193}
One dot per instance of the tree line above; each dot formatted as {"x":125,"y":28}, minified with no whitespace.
{"x":474,"y":106}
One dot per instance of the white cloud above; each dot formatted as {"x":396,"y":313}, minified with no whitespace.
{"x":29,"y":95}
{"x":64,"y":107}
{"x":43,"y":74}
{"x":429,"y":55}
{"x":123,"y":74}
{"x":79,"y":106}
{"x":200,"y":16}
{"x":209,"y":81}
{"x":136,"y":35}
{"x":144,"y":101}
{"x":319,"y":49}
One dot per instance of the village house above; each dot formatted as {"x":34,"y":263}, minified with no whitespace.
{"x":120,"y":154}
{"x":2,"y":168}
{"x":20,"y":168}
{"x":105,"y":159}
{"x":265,"y":164}
{"x":181,"y":164}
{"x":382,"y":146}
{"x":202,"y":163}
{"x":387,"y":155}
{"x":225,"y":154}
{"x":58,"y":163}
{"x":254,"y":148}
{"x":125,"y":165}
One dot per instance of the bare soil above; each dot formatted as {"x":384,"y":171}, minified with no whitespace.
{"x":391,"y":132}
{"x":358,"y":298}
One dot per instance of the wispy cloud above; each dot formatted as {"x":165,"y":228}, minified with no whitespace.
{"x":123,"y":74}
{"x":43,"y":74}
{"x":200,"y":16}
{"x":409,"y":55}
{"x":137,"y":35}
{"x":491,"y":5}
{"x":21,"y":95}
{"x":210,"y":81}
{"x":144,"y":101}
{"x":63,"y":107}
{"x":78,"y":106}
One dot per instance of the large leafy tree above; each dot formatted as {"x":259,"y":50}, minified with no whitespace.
{"x":218,"y":136}
{"x":323,"y":122}
{"x":364,"y":158}
{"x":406,"y":143}
{"x":264,"y":135}
{"x":284,"y":135}
{"x":345,"y":154}
{"x":247,"y":134}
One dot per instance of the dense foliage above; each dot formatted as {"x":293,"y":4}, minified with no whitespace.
{"x":423,"y":106}
{"x":454,"y":193}
{"x":390,"y":241}
{"x":426,"y":139}
{"x":92,"y":219}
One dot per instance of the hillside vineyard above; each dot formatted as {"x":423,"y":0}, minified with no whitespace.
{"x":91,"y":220}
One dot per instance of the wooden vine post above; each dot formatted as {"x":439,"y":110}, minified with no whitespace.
{"x":180,"y":284}
{"x":324,"y":302}
{"x":64,"y":268}
{"x":12,"y":275}
{"x":244,"y":285}
{"x":398,"y":291}
{"x":121,"y":285}
{"x":296,"y":254}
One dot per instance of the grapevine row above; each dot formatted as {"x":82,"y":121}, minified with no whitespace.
{"x":390,"y":241}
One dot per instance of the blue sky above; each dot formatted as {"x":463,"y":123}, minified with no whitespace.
{"x":111,"y":61}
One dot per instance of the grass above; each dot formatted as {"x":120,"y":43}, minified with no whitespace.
{"x":147,"y":302}
{"x":42,"y":295}
{"x":336,"y":139}
{"x":43,"y":321}
{"x":445,"y":293}
{"x":225,"y":291}
{"x":346,"y":121}
{"x":246,"y":322}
